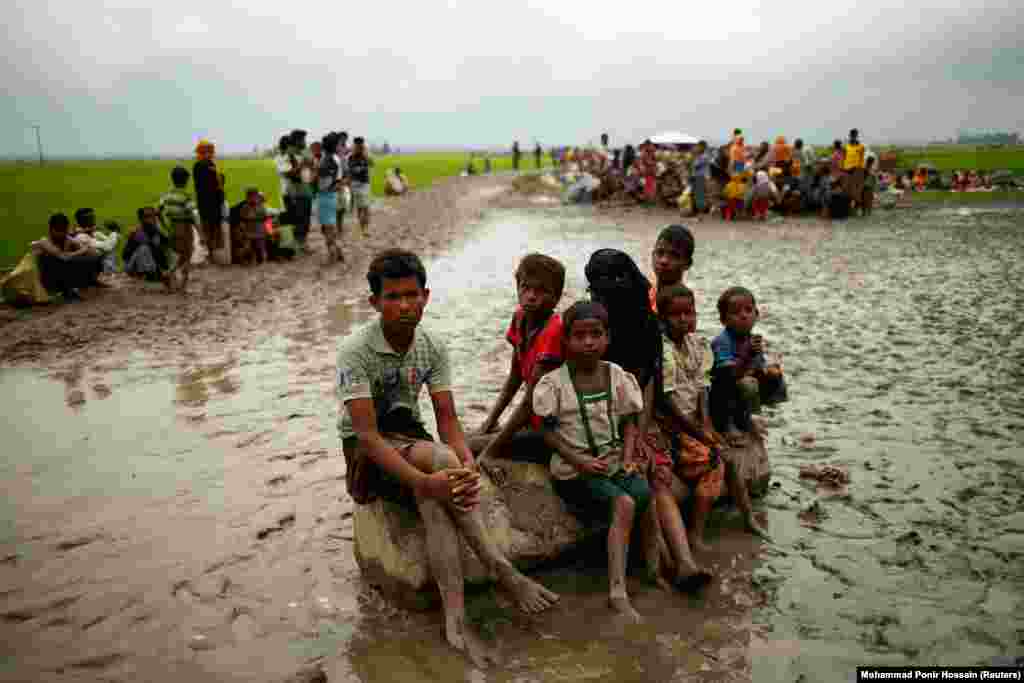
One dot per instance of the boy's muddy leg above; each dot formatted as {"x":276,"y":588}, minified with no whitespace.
{"x":623,"y":511}
{"x":738,"y":491}
{"x":654,"y":547}
{"x":530,"y":596}
{"x":445,"y":559}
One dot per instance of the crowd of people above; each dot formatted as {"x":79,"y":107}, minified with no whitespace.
{"x":319,"y":183}
{"x":631,"y":408}
{"x":735,"y":180}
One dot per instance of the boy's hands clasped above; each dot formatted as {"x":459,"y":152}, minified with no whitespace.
{"x":459,"y":486}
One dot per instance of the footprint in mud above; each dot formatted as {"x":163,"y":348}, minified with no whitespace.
{"x":305,"y":464}
{"x":278,"y":480}
{"x":101,"y":390}
{"x":75,"y":398}
{"x":282,"y":524}
{"x":71,"y":544}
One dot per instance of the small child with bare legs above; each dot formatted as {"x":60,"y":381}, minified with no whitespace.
{"x":589,"y":409}
{"x":737,"y":376}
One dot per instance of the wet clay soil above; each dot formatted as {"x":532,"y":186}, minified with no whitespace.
{"x":174,"y":500}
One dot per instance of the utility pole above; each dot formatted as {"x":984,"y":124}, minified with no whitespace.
{"x":39,"y":144}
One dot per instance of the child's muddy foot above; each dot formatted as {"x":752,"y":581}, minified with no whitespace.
{"x":692,"y":583}
{"x":530,"y":596}
{"x":624,"y":608}
{"x":466,"y":641}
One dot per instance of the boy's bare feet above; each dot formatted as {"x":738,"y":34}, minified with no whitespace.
{"x":465,"y":640}
{"x":530,"y":596}
{"x":624,"y":607}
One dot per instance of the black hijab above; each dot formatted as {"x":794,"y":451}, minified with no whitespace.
{"x":615,"y":281}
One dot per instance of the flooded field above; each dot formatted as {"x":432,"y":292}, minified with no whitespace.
{"x":183,"y":514}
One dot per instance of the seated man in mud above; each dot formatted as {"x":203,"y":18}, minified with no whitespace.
{"x":65,"y":266}
{"x":535,"y":333}
{"x":381,"y":371}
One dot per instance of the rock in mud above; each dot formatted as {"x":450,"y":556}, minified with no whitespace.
{"x":527,"y":520}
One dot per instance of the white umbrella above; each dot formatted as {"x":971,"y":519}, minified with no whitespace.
{"x":673,"y":137}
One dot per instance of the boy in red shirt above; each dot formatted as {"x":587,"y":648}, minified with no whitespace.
{"x":535,"y":334}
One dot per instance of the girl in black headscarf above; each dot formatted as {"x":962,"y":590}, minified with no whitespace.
{"x":615,"y":281}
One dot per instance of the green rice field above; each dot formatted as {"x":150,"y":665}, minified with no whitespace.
{"x":30,"y":193}
{"x":948,"y":158}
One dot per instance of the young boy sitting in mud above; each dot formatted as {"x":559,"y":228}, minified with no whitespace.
{"x":535,"y":333}
{"x":381,"y":371}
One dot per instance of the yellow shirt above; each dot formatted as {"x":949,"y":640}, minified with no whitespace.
{"x":735,"y":189}
{"x":854,"y":157}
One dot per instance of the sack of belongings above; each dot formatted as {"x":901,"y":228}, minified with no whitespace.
{"x":22,"y":286}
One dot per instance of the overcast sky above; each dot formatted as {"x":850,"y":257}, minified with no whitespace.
{"x":119,"y":77}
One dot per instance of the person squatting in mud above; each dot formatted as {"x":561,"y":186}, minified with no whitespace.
{"x":382,"y":369}
{"x":535,"y":333}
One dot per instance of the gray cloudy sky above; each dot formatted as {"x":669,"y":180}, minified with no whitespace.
{"x":119,"y":77}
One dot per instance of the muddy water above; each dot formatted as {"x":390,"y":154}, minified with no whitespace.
{"x":186,"y":517}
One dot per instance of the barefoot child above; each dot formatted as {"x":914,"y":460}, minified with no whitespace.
{"x":589,"y":409}
{"x":738,"y":371}
{"x":535,"y":334}
{"x":177,"y":215}
{"x":681,"y":427}
{"x":382,"y":368}
{"x":254,"y":216}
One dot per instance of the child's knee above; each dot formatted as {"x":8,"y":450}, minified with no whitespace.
{"x":623,"y":508}
{"x":444,"y":458}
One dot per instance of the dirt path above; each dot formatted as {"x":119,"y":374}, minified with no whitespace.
{"x":228,"y":304}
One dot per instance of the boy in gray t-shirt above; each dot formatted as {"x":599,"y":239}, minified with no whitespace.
{"x":381,"y":371}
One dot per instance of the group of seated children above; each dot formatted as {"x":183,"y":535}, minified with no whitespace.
{"x":616,"y":389}
{"x":635,"y":408}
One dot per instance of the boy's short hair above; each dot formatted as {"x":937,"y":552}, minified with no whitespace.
{"x":140,"y":212}
{"x":583,"y":310}
{"x":179,"y":176}
{"x":549,"y":271}
{"x":359,"y":140}
{"x":59,"y":220}
{"x":667,"y":295}
{"x":679,"y":237}
{"x":394,"y":264}
{"x":84,"y":214}
{"x":728,"y":295}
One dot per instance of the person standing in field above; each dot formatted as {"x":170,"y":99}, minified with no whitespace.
{"x":299,"y":202}
{"x":209,"y":186}
{"x":177,"y":214}
{"x":344,"y":194}
{"x":329,"y":174}
{"x":853,"y":169}
{"x":358,"y":176}
{"x":516,"y":154}
{"x":538,"y":154}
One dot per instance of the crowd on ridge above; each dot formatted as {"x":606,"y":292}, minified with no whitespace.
{"x":319,"y":182}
